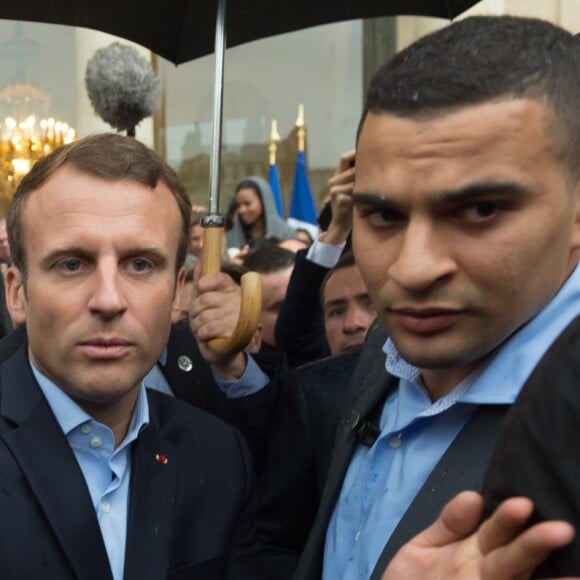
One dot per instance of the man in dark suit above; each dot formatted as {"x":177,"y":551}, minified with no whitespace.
{"x":102,"y":478}
{"x":468,"y":137}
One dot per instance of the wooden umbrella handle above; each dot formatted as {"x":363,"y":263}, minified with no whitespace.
{"x":251,"y":306}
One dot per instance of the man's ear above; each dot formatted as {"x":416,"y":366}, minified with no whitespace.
{"x":15,"y":295}
{"x":256,"y":342}
{"x":176,"y":307}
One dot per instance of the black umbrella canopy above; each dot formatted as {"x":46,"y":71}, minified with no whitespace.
{"x":182,"y":30}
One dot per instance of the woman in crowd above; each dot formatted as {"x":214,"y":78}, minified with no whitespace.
{"x":256,"y":216}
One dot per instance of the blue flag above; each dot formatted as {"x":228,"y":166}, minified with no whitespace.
{"x":303,"y":212}
{"x":274,"y":179}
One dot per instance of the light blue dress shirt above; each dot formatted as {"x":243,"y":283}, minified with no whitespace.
{"x":252,"y":380}
{"x":107,"y":471}
{"x":382,"y":481}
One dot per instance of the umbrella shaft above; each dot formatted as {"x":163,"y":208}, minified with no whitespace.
{"x":215,"y":160}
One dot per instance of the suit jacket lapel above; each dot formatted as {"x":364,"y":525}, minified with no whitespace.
{"x":187,"y":373}
{"x":152,"y":504}
{"x":369,"y":386}
{"x":365,"y":393}
{"x":49,"y":466}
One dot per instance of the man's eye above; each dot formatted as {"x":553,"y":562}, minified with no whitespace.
{"x":482,"y":211}
{"x":70,"y":265}
{"x":380,"y":217}
{"x":335,"y":312}
{"x":140,"y":265}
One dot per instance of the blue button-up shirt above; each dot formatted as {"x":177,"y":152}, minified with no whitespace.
{"x":252,"y":380}
{"x":107,"y":471}
{"x":382,"y":481}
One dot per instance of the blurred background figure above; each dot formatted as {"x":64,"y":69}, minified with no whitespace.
{"x":5,"y":260}
{"x":256,"y":215}
{"x":275,"y":265}
{"x":294,"y":244}
{"x":304,"y":235}
{"x":186,"y":294}
{"x":4,"y":247}
{"x":196,"y":236}
{"x":346,"y":305}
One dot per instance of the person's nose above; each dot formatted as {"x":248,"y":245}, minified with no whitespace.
{"x":108,"y":297}
{"x":423,"y":258}
{"x":354,"y":320}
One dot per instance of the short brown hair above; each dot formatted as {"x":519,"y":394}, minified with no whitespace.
{"x":108,"y":156}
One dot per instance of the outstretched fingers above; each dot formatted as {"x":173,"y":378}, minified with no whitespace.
{"x":519,"y":557}
{"x":458,"y":519}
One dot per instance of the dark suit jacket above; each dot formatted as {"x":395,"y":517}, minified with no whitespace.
{"x":297,"y":461}
{"x":300,"y":325}
{"x":191,"y":380}
{"x":537,"y":453}
{"x":461,"y":467}
{"x":188,"y":518}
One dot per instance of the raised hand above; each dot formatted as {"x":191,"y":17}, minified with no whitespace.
{"x":213,"y":313}
{"x":341,"y":188}
{"x":457,"y":547}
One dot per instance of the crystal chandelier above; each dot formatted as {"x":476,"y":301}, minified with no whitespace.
{"x":26,"y":130}
{"x":24,"y":138}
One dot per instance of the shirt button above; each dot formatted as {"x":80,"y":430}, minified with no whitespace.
{"x":96,"y":442}
{"x":395,"y":442}
{"x":85,"y":428}
{"x":106,"y":507}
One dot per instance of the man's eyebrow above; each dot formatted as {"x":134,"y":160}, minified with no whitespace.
{"x":468,"y":193}
{"x":64,"y":251}
{"x":483,"y":189}
{"x":335,"y":302}
{"x":374,"y":199}
{"x":146,"y":250}
{"x":362,"y":295}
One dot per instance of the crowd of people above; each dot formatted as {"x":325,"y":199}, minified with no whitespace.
{"x":407,"y":405}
